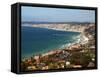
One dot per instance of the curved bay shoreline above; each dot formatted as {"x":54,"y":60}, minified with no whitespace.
{"x":66,"y":50}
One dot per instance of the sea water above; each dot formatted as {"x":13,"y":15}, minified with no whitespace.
{"x":36,"y":41}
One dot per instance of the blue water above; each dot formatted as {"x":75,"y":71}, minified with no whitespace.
{"x":40,"y":40}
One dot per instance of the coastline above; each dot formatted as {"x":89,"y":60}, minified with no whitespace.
{"x":76,"y":55}
{"x":81,"y":40}
{"x":59,"y":29}
{"x":55,"y":29}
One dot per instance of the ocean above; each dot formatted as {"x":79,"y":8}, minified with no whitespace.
{"x":36,"y":41}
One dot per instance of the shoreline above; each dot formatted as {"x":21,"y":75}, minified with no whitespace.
{"x":55,"y":29}
{"x":78,"y":54}
{"x":59,"y":29}
{"x":82,"y":40}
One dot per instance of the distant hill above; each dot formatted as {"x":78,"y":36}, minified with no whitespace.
{"x":36,"y":22}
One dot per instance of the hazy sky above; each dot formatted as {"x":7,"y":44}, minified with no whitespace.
{"x":56,"y":14}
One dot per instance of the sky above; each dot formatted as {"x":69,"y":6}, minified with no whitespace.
{"x":43,"y":14}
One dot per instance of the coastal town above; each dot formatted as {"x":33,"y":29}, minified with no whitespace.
{"x":77,"y":55}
